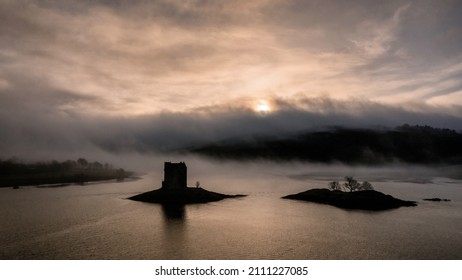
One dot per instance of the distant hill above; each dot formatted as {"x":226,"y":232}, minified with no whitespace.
{"x":411,"y":144}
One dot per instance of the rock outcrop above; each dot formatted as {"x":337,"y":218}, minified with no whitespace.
{"x":366,"y":200}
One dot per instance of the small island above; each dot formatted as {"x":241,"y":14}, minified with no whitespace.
{"x":436,"y":199}
{"x":359,"y":196}
{"x":175,"y":191}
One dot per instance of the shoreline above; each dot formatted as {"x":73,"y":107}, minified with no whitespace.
{"x":72,"y":183}
{"x":184,"y":196}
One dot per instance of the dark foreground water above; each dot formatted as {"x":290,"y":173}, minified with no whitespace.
{"x":96,"y":221}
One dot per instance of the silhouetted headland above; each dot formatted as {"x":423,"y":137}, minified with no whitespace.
{"x":175,"y":191}
{"x":365,"y":200}
{"x":14,"y":173}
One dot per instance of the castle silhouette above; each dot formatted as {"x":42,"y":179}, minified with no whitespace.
{"x":174,"y":190}
{"x":175,"y":176}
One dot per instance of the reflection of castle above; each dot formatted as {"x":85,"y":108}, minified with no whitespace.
{"x":174,"y":176}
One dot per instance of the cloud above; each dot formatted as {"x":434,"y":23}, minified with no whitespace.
{"x":376,"y":38}
{"x":145,"y":57}
{"x":162,"y":74}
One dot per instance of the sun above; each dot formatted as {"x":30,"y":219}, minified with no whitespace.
{"x":263,"y":107}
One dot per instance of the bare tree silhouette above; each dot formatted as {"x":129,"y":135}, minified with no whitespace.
{"x":351,"y":184}
{"x":366,"y":186}
{"x":335,"y":186}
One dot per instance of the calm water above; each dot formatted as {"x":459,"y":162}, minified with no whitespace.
{"x":96,"y":221}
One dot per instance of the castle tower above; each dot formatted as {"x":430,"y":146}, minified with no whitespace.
{"x":175,"y":176}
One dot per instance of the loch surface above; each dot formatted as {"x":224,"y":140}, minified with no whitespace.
{"x":97,"y":221}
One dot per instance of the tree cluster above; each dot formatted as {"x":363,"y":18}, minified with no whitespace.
{"x":350,"y":185}
{"x":412,"y":144}
{"x":15,"y":173}
{"x":14,"y":166}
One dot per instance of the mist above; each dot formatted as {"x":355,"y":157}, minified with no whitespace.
{"x":35,"y":134}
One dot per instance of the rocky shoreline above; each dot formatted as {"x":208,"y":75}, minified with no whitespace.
{"x":183,"y":196}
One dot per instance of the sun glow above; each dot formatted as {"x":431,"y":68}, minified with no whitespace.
{"x":263,"y":107}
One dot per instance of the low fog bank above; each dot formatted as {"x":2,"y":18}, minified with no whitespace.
{"x":36,"y":134}
{"x":214,"y":174}
{"x":390,"y":173}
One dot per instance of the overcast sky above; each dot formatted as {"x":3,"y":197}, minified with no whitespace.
{"x":76,"y":73}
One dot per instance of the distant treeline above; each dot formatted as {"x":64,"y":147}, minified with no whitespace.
{"x":411,"y":144}
{"x":14,"y":173}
